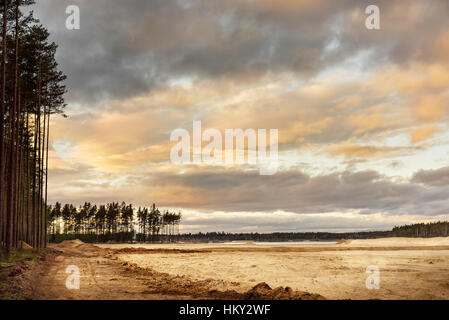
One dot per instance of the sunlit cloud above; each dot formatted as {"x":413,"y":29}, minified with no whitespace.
{"x":357,"y":111}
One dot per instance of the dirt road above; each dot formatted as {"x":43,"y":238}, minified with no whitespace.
{"x":101,"y":278}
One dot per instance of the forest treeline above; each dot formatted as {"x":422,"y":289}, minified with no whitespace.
{"x":31,"y":91}
{"x":279,"y":236}
{"x":422,"y":230}
{"x":112,"y":222}
{"x":124,"y":223}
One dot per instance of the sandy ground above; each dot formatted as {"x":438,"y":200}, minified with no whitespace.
{"x":103,"y":276}
{"x":409,"y":268}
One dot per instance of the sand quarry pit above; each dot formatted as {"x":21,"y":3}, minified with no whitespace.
{"x":104,"y":276}
{"x":409,"y":268}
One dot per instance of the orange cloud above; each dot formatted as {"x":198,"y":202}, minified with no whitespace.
{"x":431,"y":108}
{"x":417,"y":78}
{"x":376,"y":118}
{"x":286,"y":5}
{"x":299,"y":131}
{"x":349,"y":102}
{"x":423,"y":134}
{"x":358,"y":151}
{"x":442,"y":44}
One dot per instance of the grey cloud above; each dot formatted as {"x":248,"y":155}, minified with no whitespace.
{"x":232,"y":191}
{"x":435,"y":178}
{"x":293,"y":191}
{"x":71,"y":173}
{"x":125,"y":48}
{"x":236,"y":191}
{"x":277,"y":222}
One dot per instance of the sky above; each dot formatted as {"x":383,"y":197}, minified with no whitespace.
{"x":361,"y":114}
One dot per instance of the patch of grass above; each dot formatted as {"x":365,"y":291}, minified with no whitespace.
{"x":12,"y":269}
{"x":7,"y":295}
{"x":18,"y":256}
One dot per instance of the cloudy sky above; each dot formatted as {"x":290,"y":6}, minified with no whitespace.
{"x":362,"y":114}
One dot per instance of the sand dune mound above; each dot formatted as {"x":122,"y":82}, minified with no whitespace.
{"x":78,"y":245}
{"x":263,"y":291}
{"x":24,"y":245}
{"x":398,"y":242}
{"x":71,"y":243}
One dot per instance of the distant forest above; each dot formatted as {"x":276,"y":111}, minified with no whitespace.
{"x":112,"y":222}
{"x":122,"y":223}
{"x":279,"y":236}
{"x":422,"y":230}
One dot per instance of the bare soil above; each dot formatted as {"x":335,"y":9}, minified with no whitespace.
{"x":409,"y":269}
{"x":104,"y":277}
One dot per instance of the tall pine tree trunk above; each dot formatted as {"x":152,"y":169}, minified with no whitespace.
{"x":46,"y":177}
{"x":41,"y":182}
{"x":2,"y":125}
{"x":39,"y":154}
{"x":33,"y":187}
{"x":28,"y":181}
{"x":11,"y":210}
{"x":16,"y":102}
